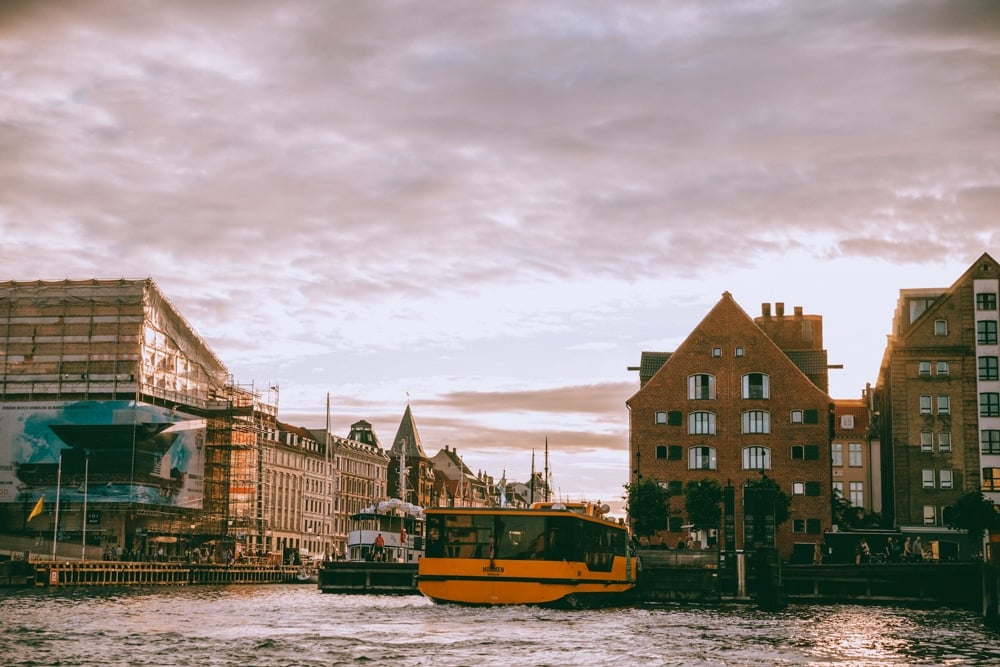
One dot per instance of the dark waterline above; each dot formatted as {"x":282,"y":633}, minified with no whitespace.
{"x":297,"y":625}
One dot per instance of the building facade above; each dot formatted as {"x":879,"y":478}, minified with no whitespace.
{"x":730,"y":404}
{"x":459,"y":487}
{"x":855,"y":455}
{"x":362,"y":477}
{"x":938,"y":397}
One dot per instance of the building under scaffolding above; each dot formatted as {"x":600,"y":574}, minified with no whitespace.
{"x":112,"y":406}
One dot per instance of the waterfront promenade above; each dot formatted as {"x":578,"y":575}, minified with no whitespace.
{"x":23,"y":564}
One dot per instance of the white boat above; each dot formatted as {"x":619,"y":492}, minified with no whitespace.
{"x":401,"y":526}
{"x":369,"y":570}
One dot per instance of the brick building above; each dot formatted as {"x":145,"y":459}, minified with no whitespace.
{"x":938,"y":396}
{"x":739,"y":397}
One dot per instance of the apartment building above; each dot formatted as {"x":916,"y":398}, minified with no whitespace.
{"x":855,"y":455}
{"x":938,"y":398}
{"x":739,"y":398}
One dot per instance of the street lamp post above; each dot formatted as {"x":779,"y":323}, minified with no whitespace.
{"x":83,"y":519}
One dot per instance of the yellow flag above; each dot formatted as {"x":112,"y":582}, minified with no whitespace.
{"x":38,"y":509}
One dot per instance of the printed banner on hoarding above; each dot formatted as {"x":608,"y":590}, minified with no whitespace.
{"x":110,"y":451}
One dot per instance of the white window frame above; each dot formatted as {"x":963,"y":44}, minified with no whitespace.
{"x":926,"y":404}
{"x":661,"y":417}
{"x":926,"y":441}
{"x":927,"y":478}
{"x":796,"y":416}
{"x":923,"y":368}
{"x":847,"y":422}
{"x":701,"y":422}
{"x":944,"y":441}
{"x":944,"y":404}
{"x":696,"y":388}
{"x":698,"y":455}
{"x":942,"y":368}
{"x":940,"y":327}
{"x":798,"y":488}
{"x":855,"y":455}
{"x":857,"y":490}
{"x":930,"y":515}
{"x":756,"y":421}
{"x":756,"y":454}
{"x":765,"y":386}
{"x":946,"y":478}
{"x":837,"y":454}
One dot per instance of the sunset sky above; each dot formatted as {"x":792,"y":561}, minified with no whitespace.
{"x":490,"y":209}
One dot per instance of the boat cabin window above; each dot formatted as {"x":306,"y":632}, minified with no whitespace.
{"x":516,"y":536}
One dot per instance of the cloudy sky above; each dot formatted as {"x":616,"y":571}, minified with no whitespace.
{"x":490,"y":209}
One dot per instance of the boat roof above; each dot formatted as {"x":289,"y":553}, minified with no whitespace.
{"x":583,"y":510}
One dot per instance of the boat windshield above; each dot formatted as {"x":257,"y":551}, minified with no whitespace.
{"x":522,"y":536}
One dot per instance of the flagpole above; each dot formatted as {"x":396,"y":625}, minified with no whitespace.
{"x":86,"y":474}
{"x":55,"y":528}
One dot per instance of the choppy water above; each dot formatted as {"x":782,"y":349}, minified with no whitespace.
{"x":297,"y":625}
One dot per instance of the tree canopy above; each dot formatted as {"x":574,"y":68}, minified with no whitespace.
{"x":781,"y":500}
{"x":850,"y":517}
{"x":973,"y":513}
{"x":647,"y":504}
{"x":701,"y":501}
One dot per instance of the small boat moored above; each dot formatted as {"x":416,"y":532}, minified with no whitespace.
{"x":553,"y":554}
{"x":383,"y":547}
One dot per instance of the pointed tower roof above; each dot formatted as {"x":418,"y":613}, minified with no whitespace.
{"x":407,"y":439}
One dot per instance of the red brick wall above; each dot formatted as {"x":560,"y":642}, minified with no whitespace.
{"x":728,"y":327}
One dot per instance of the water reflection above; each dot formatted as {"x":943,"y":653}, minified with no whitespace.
{"x":297,"y":625}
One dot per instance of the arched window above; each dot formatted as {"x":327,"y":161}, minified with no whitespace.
{"x":701,"y":387}
{"x":756,"y":421}
{"x":701,"y":423}
{"x":756,"y":385}
{"x":756,"y":458}
{"x":701,"y":458}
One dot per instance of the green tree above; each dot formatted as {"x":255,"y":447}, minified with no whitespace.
{"x":702,"y":500}
{"x":781,"y":500}
{"x":851,"y":517}
{"x":975,"y":514}
{"x":647,"y":504}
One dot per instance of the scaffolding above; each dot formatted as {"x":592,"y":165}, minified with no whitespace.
{"x":236,"y":497}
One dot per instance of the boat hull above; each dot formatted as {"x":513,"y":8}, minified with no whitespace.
{"x":486,"y":583}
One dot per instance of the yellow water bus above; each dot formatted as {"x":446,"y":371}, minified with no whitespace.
{"x":564,"y":554}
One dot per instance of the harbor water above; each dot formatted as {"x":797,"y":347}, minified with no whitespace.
{"x":297,"y":625}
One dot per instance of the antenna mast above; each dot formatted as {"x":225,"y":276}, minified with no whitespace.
{"x":547,"y":481}
{"x":532,"y":476}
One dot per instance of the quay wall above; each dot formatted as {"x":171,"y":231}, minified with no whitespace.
{"x":695,"y":576}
